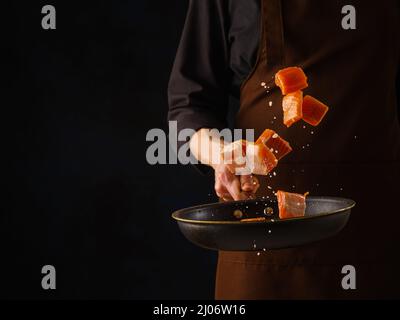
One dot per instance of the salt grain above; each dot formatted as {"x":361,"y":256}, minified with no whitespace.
{"x":263,"y":84}
{"x":275,"y":135}
{"x":270,"y":103}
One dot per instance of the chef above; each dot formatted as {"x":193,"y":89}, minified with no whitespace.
{"x":234,"y":48}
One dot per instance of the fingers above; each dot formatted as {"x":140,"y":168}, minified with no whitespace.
{"x":249,"y":183}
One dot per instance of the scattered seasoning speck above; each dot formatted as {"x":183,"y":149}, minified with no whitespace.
{"x":269,"y":187}
{"x":264,"y":249}
{"x":258,"y":253}
{"x":269,"y":231}
{"x":293,"y":187}
{"x":272,"y":220}
{"x":312,"y":132}
{"x":304,"y":127}
{"x":263,"y":84}
{"x":274,"y":136}
{"x":274,"y":173}
{"x":270,"y":103}
{"x":274,"y":118}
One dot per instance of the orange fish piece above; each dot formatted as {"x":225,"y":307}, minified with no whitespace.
{"x":313,"y":110}
{"x":291,"y":79}
{"x":292,"y":107}
{"x":291,"y":205}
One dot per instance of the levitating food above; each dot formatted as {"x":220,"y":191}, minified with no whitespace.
{"x":313,"y":110}
{"x":291,"y":205}
{"x":249,"y":157}
{"x":234,"y":154}
{"x":291,"y":79}
{"x":292,"y":107}
{"x":278,"y":146}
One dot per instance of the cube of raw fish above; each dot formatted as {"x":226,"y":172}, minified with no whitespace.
{"x":277,"y":145}
{"x":291,"y":205}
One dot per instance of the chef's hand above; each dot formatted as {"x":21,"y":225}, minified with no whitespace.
{"x":229,"y":186}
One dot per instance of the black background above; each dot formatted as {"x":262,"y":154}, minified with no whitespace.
{"x":82,"y":196}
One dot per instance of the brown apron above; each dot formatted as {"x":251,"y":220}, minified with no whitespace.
{"x":353,"y":153}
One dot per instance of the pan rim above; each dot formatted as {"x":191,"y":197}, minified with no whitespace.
{"x":238,"y":222}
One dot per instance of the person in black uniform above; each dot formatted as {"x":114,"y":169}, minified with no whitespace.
{"x":229,"y":47}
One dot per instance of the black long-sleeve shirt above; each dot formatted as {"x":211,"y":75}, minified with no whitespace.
{"x":217,"y":51}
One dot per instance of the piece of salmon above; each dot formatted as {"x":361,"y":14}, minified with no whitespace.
{"x":291,"y":79}
{"x":292,"y":107}
{"x":313,"y":110}
{"x":260,"y":158}
{"x":291,"y":205}
{"x":260,"y":219}
{"x":277,"y":145}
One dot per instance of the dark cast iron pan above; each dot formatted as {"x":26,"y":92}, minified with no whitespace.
{"x":215,"y":226}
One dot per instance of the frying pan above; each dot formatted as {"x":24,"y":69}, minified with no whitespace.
{"x":217,"y":226}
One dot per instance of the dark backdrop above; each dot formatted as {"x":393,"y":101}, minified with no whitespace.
{"x":82,"y":197}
